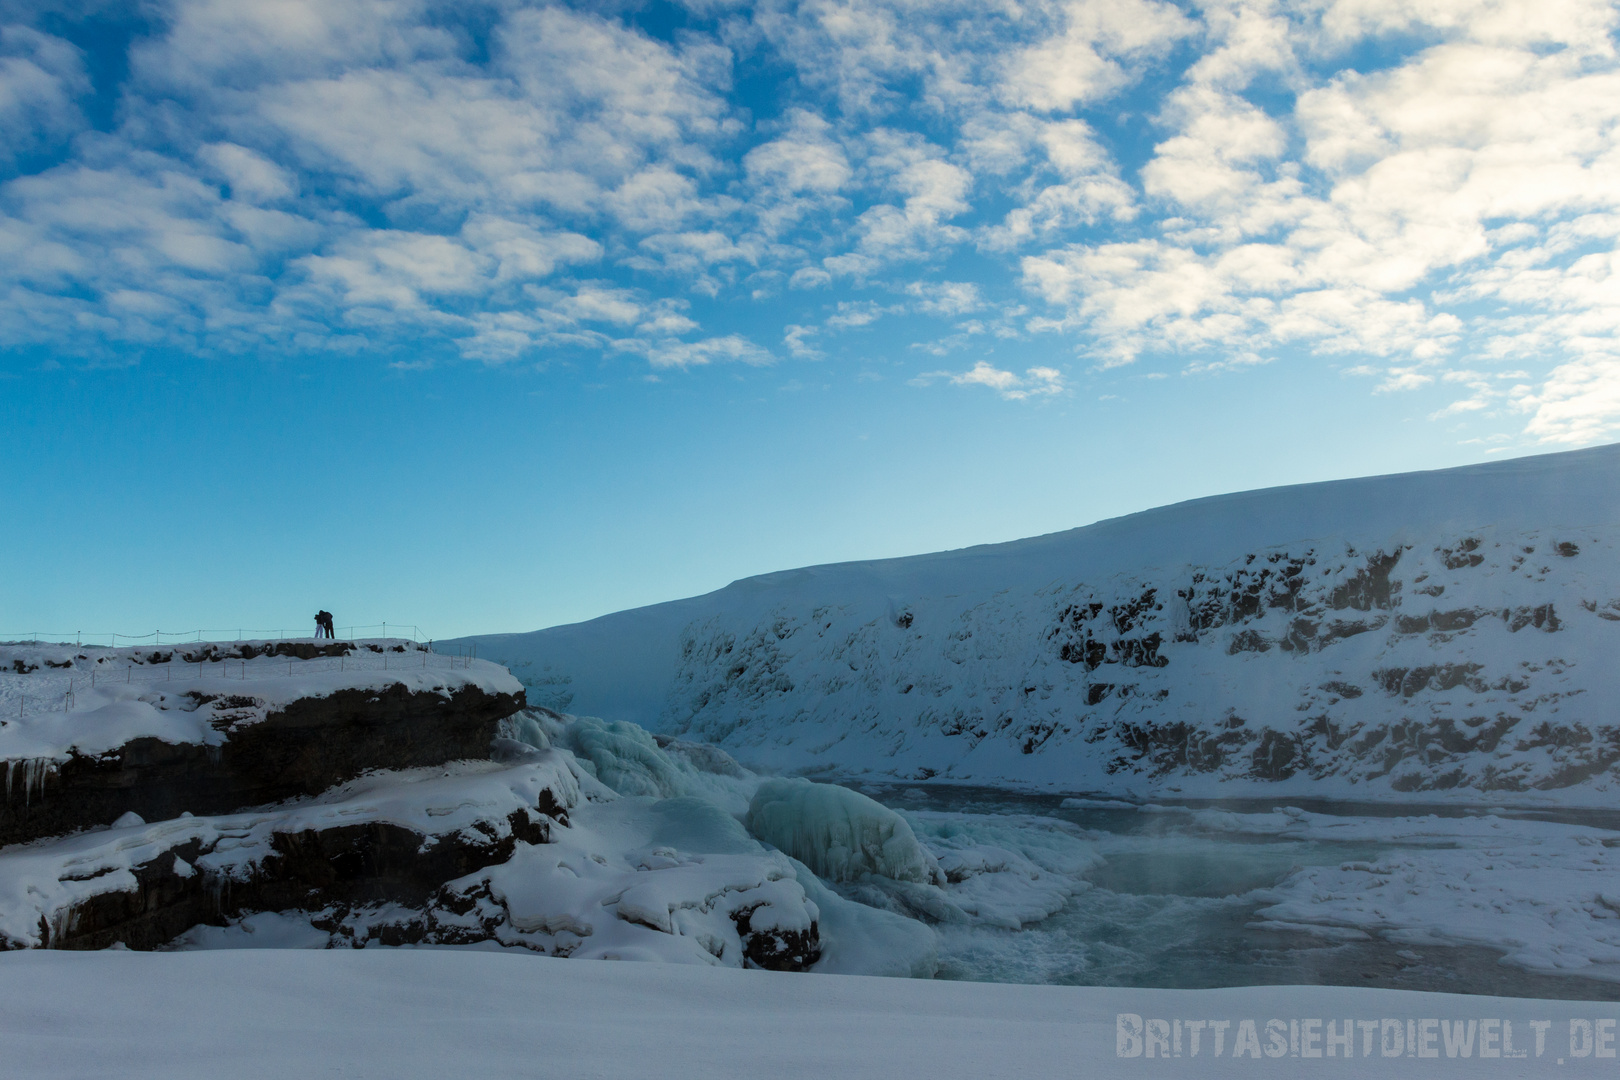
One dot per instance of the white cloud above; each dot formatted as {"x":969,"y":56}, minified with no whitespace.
{"x":1579,"y":402}
{"x":394,"y":269}
{"x":682,"y":354}
{"x":525,"y":251}
{"x":1369,"y":220}
{"x":1089,"y":189}
{"x":795,"y":337}
{"x":809,"y":277}
{"x":252,"y":177}
{"x":852,"y":313}
{"x":946,"y":297}
{"x":1035,"y":382}
{"x":798,"y":173}
{"x":934,"y":191}
{"x":366,"y":173}
{"x":41,"y":79}
{"x":1096,"y":53}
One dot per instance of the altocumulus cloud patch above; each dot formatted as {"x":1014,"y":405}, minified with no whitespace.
{"x":1415,"y":197}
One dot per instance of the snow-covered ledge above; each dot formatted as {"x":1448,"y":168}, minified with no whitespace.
{"x":87,"y":734}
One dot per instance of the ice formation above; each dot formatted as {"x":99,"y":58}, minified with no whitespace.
{"x":839,"y":834}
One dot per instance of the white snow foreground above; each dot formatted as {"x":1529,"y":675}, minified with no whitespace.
{"x":1444,"y":635}
{"x":399,"y":1014}
{"x":58,"y":699}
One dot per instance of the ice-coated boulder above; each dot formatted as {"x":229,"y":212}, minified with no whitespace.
{"x":838,"y":833}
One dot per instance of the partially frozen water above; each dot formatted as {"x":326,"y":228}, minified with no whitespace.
{"x":1175,"y":899}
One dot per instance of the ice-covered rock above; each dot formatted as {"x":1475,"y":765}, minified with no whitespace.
{"x":636,"y":877}
{"x":859,"y":939}
{"x":387,"y":838}
{"x":839,"y":834}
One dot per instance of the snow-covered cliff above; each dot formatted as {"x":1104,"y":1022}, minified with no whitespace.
{"x":1440,"y":634}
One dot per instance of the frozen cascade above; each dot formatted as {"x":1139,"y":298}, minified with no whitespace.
{"x":840,"y":834}
{"x":629,"y":761}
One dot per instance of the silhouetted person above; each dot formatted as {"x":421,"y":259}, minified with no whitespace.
{"x":323,"y":624}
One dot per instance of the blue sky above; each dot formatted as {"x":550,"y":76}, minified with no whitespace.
{"x":486,"y":317}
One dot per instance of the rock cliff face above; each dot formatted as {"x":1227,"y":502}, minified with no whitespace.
{"x":392,"y":839}
{"x":1477,"y":662}
{"x":300,"y":748}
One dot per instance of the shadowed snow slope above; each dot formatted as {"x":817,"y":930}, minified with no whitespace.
{"x":1439,"y":634}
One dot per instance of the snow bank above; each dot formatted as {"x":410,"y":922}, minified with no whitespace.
{"x":838,"y":833}
{"x":429,"y":1014}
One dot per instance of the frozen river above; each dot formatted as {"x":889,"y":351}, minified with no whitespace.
{"x":1195,"y":896}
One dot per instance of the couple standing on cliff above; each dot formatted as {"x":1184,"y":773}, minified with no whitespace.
{"x":323,"y":624}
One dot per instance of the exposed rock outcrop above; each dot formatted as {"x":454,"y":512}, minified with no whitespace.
{"x":300,"y":748}
{"x":391,"y":839}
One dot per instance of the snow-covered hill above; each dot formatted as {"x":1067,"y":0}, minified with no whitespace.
{"x":1440,"y":634}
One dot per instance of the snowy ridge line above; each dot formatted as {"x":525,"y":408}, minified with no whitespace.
{"x":171,"y":704}
{"x":1431,"y":635}
{"x":183,"y":637}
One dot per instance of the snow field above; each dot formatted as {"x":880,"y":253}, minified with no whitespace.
{"x":398,"y":1014}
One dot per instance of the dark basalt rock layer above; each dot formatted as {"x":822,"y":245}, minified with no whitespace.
{"x":302,"y":749}
{"x":372,"y":862}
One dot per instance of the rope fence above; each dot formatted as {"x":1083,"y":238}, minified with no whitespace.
{"x":180,"y":637}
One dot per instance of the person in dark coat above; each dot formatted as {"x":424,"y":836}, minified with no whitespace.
{"x":323,"y":624}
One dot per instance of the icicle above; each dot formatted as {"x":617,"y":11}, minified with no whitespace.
{"x":34,"y":771}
